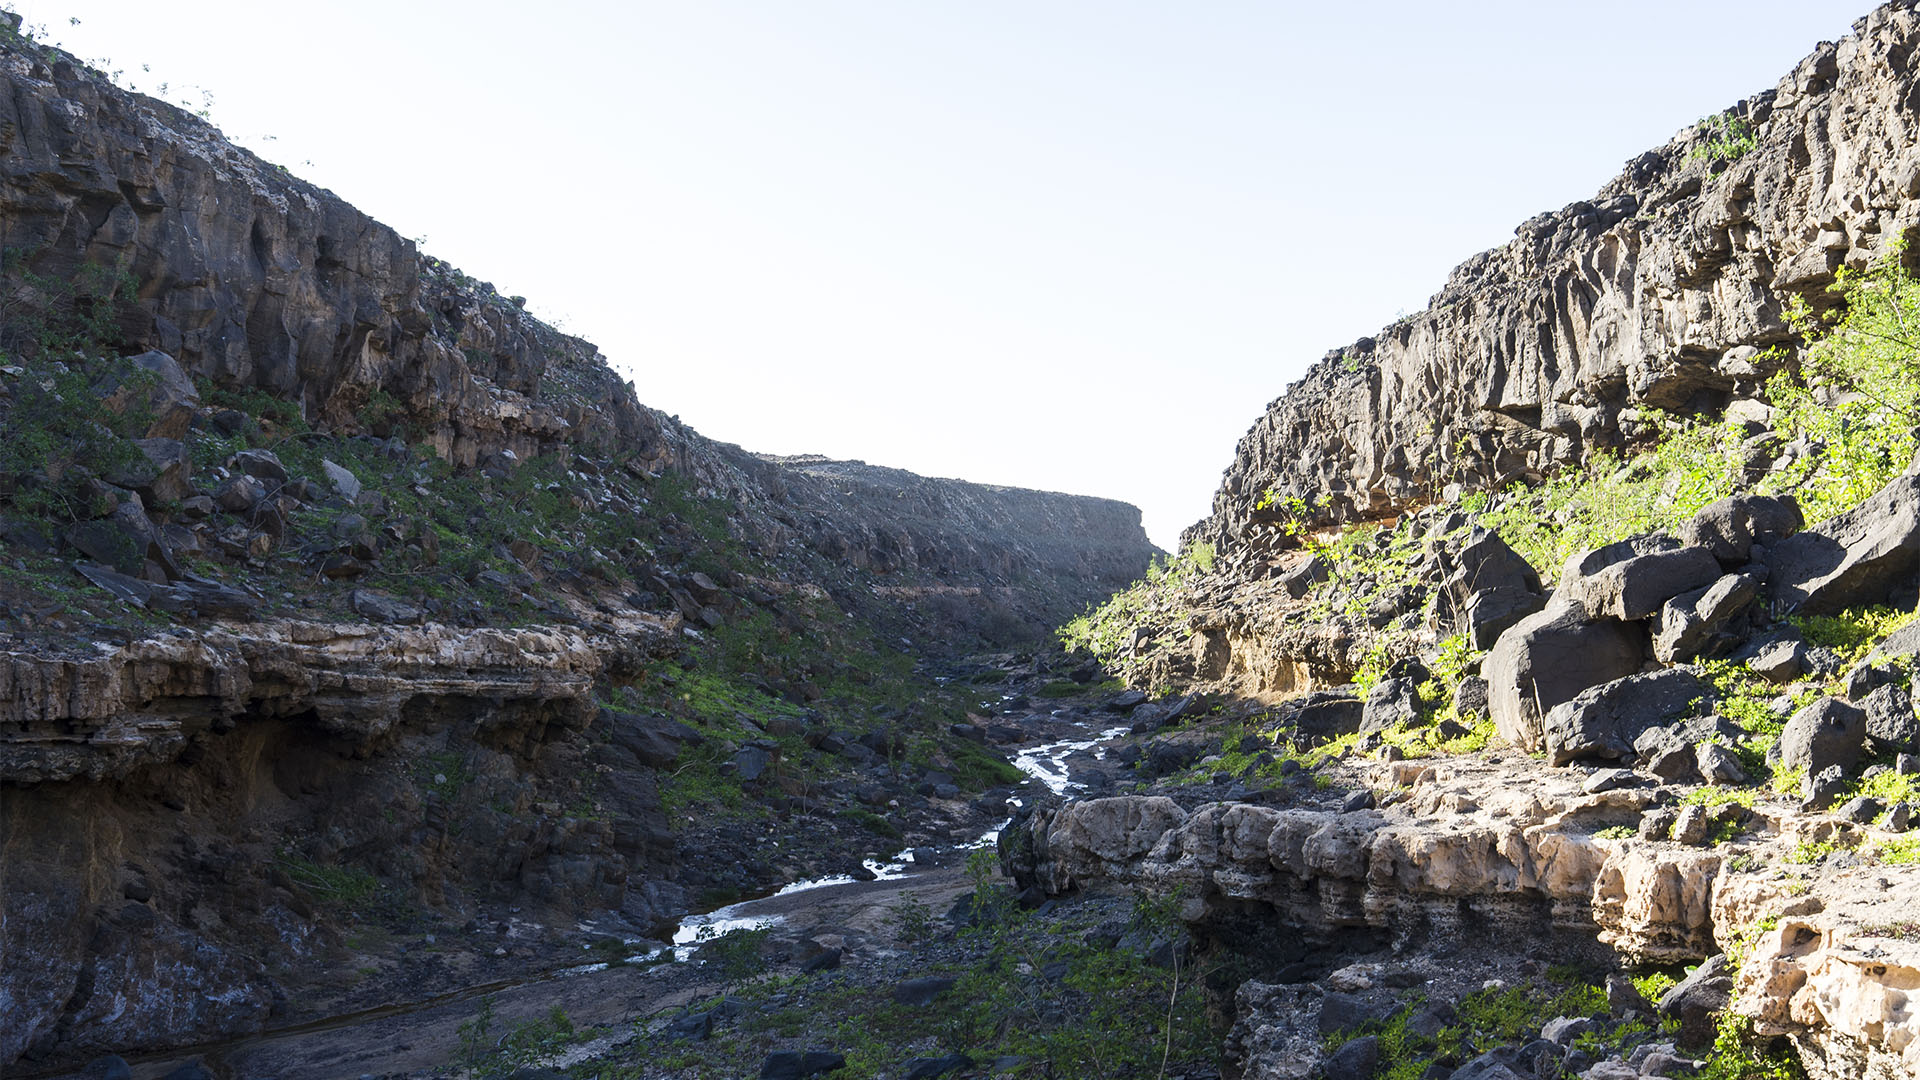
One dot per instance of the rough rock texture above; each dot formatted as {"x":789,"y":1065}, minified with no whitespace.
{"x":241,"y":738}
{"x":217,"y":763}
{"x":1662,"y":290}
{"x":253,"y":278}
{"x":1481,"y":853}
{"x":1548,"y":659}
{"x":1605,"y":721}
{"x":102,"y":717}
{"x":1517,"y":862}
{"x":1856,"y":558}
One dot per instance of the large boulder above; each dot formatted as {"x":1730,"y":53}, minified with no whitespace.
{"x":1729,"y":528}
{"x":1638,"y":587}
{"x":1892,"y":726}
{"x":1697,"y":1000}
{"x":1604,"y":721}
{"x":1489,"y":613}
{"x":1827,"y":733}
{"x":1550,"y":657}
{"x":1703,"y":622}
{"x":1390,"y":703}
{"x":1327,"y":714}
{"x":153,"y":383}
{"x":1853,"y":558}
{"x":160,"y":474}
{"x":1488,"y":587}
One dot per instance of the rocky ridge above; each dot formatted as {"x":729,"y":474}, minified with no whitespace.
{"x":1688,"y":760}
{"x":1664,"y":291}
{"x":254,"y":280}
{"x":357,"y":622}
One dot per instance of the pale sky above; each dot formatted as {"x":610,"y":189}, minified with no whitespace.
{"x":1076,"y":246}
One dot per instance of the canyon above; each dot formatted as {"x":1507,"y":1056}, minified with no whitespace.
{"x":1536,"y":700}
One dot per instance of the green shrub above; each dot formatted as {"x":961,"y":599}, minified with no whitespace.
{"x":1106,"y":630}
{"x":1728,"y":138}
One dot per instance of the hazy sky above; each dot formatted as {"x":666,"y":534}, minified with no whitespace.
{"x":1075,"y":246}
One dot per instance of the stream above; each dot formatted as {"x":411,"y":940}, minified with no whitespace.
{"x":425,"y":1034}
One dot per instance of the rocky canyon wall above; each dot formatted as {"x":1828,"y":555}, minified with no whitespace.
{"x":1665,"y":290}
{"x":255,"y":279}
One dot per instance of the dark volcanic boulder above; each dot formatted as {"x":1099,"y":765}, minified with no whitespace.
{"x":1328,"y":714}
{"x":1853,"y":558}
{"x":1697,"y":623}
{"x":1638,"y":587}
{"x":1390,"y":702}
{"x":1729,"y":528}
{"x":1892,"y":726}
{"x":1488,"y":587}
{"x":1697,"y":1000}
{"x":1825,"y":734}
{"x":654,"y":741}
{"x":1604,"y":721}
{"x":1549,"y":658}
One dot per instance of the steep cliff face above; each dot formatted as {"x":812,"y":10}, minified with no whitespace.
{"x":1664,"y":290}
{"x":255,"y":279}
{"x":524,"y":663}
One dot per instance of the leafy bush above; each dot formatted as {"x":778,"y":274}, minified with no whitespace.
{"x":1728,"y":138}
{"x":59,"y":340}
{"x":1856,"y":397}
{"x":1605,"y":498}
{"x":1105,"y":631}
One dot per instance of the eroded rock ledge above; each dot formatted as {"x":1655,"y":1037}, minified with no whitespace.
{"x":1492,"y":847}
{"x":140,"y":703}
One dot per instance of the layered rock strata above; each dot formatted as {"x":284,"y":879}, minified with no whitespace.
{"x":1665,"y":290}
{"x":1489,"y":853}
{"x":256,"y":280}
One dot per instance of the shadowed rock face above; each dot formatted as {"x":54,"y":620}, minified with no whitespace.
{"x":255,"y":279}
{"x":148,"y":872}
{"x":1663,"y":290}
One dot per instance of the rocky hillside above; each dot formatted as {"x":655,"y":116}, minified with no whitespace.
{"x":1593,"y":586}
{"x":1666,"y":290}
{"x":362,"y":638}
{"x":255,"y":282}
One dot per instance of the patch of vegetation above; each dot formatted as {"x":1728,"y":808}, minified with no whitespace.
{"x":340,"y":886}
{"x":870,"y":821}
{"x":1059,"y":991}
{"x":1106,"y":631}
{"x":1898,"y":851}
{"x":1607,"y":498}
{"x":1853,"y":402}
{"x":1891,"y":787}
{"x":1738,"y":1055}
{"x":1808,"y":852}
{"x":1066,"y":688}
{"x":488,"y":1056}
{"x":1853,"y":633}
{"x":1616,"y":832}
{"x":1653,"y":985}
{"x":975,"y":768}
{"x":1728,"y":138}
{"x":71,"y":404}
{"x":1713,"y":797}
{"x":1856,"y":397}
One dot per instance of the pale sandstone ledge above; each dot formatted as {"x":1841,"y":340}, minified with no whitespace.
{"x":140,"y":703}
{"x":1509,"y":848}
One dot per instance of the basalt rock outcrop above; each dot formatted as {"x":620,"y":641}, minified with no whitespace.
{"x":256,"y":280}
{"x":151,"y":888}
{"x":1664,"y":290}
{"x":245,"y":687}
